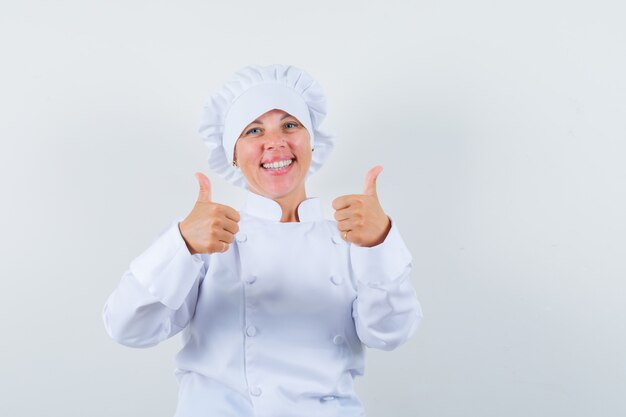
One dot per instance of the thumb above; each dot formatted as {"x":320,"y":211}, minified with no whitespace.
{"x":204,"y":195}
{"x":370,"y":180}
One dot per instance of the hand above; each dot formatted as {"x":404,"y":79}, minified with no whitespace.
{"x":360,"y":218}
{"x":210,"y":227}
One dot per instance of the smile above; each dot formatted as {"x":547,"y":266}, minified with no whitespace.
{"x":277,"y":164}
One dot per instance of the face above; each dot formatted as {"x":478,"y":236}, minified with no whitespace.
{"x":274,"y":154}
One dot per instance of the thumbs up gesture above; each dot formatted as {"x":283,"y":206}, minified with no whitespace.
{"x":360,"y":218}
{"x":209,"y":227}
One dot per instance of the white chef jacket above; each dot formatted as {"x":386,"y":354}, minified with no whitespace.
{"x":276,"y":325}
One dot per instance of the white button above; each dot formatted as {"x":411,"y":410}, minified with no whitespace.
{"x":336,"y":240}
{"x":152,"y":290}
{"x":327,"y":398}
{"x":251,"y":331}
{"x":241,"y":237}
{"x":339,"y":339}
{"x":250,"y":279}
{"x":256,"y":391}
{"x":337,"y":280}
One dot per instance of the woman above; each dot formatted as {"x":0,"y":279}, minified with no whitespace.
{"x":276,"y":302}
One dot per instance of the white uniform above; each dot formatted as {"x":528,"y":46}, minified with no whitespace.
{"x":275,"y":326}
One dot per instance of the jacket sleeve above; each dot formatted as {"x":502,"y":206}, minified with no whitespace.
{"x":386,"y":311}
{"x":157,"y":295}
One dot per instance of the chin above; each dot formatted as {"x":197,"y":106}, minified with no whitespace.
{"x":275,"y":194}
{"x":276,"y":187}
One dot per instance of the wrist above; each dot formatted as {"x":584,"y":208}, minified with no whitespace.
{"x":386,"y":227}
{"x":189,"y":248}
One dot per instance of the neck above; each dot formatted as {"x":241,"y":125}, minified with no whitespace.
{"x":289,"y":204}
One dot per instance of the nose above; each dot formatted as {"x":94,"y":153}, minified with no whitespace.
{"x":275,"y":140}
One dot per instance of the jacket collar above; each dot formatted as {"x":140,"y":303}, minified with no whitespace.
{"x":256,"y":205}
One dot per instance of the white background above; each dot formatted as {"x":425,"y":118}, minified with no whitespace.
{"x":501,"y":127}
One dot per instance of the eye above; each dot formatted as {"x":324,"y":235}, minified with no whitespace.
{"x":294,"y":124}
{"x":253,"y":131}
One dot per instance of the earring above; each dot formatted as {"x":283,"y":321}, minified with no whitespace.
{"x":312,"y":149}
{"x":235,"y":163}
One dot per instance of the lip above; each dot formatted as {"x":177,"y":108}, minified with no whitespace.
{"x":277,"y":158}
{"x":279,"y":171}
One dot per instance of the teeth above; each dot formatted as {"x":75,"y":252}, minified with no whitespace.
{"x":278,"y":164}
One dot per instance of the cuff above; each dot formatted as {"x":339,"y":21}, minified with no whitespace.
{"x":381,"y":263}
{"x":166,"y":269}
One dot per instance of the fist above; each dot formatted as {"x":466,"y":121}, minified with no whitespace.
{"x":360,"y":218}
{"x":210,"y":227}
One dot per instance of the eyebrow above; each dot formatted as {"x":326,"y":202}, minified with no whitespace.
{"x":282,"y":118}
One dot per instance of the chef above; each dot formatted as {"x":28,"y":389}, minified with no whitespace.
{"x":276,"y":304}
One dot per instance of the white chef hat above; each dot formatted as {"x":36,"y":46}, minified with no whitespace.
{"x":253,"y":91}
